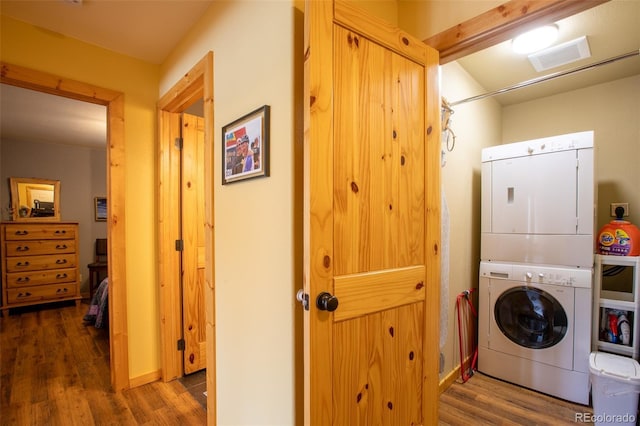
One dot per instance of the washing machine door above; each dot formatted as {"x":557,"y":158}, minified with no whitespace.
{"x":531,"y":317}
{"x":533,"y":321}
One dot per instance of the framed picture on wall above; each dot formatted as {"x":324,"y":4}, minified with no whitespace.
{"x":100,"y":209}
{"x":245,"y":147}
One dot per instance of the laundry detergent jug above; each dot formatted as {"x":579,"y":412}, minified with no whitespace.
{"x":619,"y":237}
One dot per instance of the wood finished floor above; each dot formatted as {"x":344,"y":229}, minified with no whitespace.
{"x":54,"y":370}
{"x":483,"y":400}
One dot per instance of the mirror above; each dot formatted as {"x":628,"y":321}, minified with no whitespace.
{"x":35,"y":199}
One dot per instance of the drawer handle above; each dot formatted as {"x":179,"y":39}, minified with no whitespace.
{"x":61,"y":261}
{"x":23,"y":264}
{"x":62,"y":290}
{"x":22,"y":248}
{"x":23,"y":232}
{"x":23,"y":279}
{"x":61,"y":246}
{"x":60,"y":231}
{"x":59,"y":276}
{"x":27,"y":294}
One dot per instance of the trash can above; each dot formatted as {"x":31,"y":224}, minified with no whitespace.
{"x":615,"y":385}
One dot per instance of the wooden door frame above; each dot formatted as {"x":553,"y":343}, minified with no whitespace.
{"x":114,"y":101}
{"x":196,"y":84}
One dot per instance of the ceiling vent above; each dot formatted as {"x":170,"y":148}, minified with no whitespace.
{"x":561,"y":54}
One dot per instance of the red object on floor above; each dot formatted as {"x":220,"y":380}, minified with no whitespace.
{"x":466,"y":374}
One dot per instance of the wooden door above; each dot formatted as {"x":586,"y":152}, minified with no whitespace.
{"x":372,"y":221}
{"x":193,"y":252}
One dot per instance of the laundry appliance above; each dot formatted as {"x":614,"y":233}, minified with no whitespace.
{"x":538,"y":201}
{"x":536,"y":269}
{"x":534,"y":327}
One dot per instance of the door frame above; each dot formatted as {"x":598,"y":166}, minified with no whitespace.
{"x":114,"y":101}
{"x":196,"y":84}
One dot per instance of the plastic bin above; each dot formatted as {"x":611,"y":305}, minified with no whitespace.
{"x":615,"y":385}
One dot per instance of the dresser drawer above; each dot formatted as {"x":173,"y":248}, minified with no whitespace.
{"x":36,"y":263}
{"x":32,"y":294}
{"x":31,"y":248}
{"x":39,"y":263}
{"x":17,"y":232}
{"x":26,"y":279}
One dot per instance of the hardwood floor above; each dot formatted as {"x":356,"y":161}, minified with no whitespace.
{"x":483,"y":400}
{"x":54,"y":370}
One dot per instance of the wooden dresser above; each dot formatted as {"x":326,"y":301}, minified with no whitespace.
{"x":39,"y":263}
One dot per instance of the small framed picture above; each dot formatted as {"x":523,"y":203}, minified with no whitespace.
{"x":100,"y":209}
{"x":245,"y":147}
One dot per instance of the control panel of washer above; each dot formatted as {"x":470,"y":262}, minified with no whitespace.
{"x":537,"y":274}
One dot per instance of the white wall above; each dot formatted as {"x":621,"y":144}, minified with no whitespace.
{"x":476,"y":125}
{"x":612,"y":110}
{"x":257,"y":50}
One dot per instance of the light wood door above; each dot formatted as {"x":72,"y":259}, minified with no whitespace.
{"x":193,"y":259}
{"x":371,"y":221}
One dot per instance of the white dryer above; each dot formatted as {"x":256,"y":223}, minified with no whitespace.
{"x":538,"y":200}
{"x":535,"y":327}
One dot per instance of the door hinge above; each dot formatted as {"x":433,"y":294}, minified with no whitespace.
{"x":181,"y":345}
{"x":178,"y":143}
{"x":179,"y":245}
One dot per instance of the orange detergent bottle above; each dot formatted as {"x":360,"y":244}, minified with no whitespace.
{"x":619,"y":237}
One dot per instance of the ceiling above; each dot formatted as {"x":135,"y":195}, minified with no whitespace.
{"x":143,"y":29}
{"x":127,"y":27}
{"x":612,"y":29}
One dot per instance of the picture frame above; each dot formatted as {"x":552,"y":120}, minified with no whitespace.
{"x":245,"y":146}
{"x":100,"y":206}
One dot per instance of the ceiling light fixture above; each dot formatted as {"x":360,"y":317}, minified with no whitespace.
{"x":535,"y":40}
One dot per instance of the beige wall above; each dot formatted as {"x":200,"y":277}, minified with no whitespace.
{"x":25,"y":45}
{"x":476,"y":125}
{"x":612,"y":111}
{"x":426,"y":18}
{"x":258,"y":234}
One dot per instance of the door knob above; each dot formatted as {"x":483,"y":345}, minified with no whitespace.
{"x":326,"y":302}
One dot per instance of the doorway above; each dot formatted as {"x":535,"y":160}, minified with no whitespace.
{"x":114,"y":101}
{"x":196,"y":85}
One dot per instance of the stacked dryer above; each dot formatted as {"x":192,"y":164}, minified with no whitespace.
{"x":536,"y":269}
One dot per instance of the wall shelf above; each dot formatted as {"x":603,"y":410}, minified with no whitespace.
{"x":616,"y":297}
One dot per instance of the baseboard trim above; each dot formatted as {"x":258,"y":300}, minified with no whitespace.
{"x":154,"y":376}
{"x":449,"y":379}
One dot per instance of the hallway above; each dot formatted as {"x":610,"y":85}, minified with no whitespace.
{"x":55,"y":371}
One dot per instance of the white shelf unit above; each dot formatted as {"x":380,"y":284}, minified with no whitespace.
{"x":617,"y":293}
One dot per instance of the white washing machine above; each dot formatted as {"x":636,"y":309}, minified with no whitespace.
{"x":535,"y":327}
